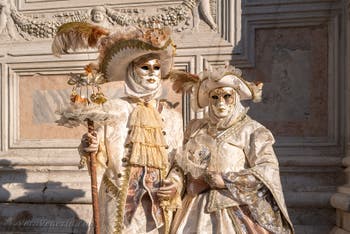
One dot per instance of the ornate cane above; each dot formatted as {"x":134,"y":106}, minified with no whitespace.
{"x":86,"y":106}
{"x":94,"y":194}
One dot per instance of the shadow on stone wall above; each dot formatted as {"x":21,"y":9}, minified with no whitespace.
{"x":39,"y":207}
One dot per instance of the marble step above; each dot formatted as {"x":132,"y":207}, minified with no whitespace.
{"x":74,"y":218}
{"x":44,"y":218}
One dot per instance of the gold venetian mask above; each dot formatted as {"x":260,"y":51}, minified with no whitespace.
{"x":222,"y":101}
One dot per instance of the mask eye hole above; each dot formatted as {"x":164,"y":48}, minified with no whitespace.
{"x":215,"y":97}
{"x":144,"y":68}
{"x":227,"y":96}
{"x":157,"y":68}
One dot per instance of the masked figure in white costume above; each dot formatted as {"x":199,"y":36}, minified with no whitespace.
{"x":137,"y":190}
{"x":233,"y":182}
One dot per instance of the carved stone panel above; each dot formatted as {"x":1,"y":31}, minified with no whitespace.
{"x":41,"y":96}
{"x":293,"y":66}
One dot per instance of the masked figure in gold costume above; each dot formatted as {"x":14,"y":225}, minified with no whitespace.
{"x":233,"y":182}
{"x":137,"y":191}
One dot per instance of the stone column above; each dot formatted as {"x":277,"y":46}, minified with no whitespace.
{"x":341,"y":200}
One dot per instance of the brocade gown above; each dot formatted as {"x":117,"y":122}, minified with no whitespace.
{"x":253,"y":200}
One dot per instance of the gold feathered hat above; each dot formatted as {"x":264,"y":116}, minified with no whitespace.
{"x":117,"y":49}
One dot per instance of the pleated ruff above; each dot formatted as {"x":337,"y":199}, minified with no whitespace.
{"x":146,"y":137}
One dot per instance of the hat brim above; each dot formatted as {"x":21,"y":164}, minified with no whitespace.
{"x":117,"y":59}
{"x":230,"y":80}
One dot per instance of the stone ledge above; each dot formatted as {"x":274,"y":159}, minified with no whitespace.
{"x":45,"y":186}
{"x":312,"y":229}
{"x":70,"y":157}
{"x":309,"y":199}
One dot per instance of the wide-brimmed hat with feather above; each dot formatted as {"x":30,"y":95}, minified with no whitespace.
{"x":222,"y":76}
{"x":226,"y":76}
{"x":117,"y":49}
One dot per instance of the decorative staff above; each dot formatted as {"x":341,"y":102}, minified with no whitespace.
{"x":86,"y":98}
{"x":87,"y":102}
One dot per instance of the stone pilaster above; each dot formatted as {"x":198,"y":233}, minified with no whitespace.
{"x":341,"y":200}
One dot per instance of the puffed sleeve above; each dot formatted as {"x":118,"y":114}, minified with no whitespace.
{"x":260,"y":151}
{"x":244,"y":185}
{"x":259,"y":185}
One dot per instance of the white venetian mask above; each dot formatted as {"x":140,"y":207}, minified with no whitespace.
{"x":147,"y":73}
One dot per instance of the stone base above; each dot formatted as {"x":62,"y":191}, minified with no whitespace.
{"x":337,"y":230}
{"x":341,"y":201}
{"x":343,"y":220}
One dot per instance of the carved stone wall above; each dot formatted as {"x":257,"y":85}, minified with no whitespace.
{"x":295,"y":47}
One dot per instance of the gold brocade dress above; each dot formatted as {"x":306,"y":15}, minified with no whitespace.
{"x":253,"y":199}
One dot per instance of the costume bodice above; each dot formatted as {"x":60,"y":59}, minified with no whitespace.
{"x":229,"y":158}
{"x":221,"y":153}
{"x":205,"y":153}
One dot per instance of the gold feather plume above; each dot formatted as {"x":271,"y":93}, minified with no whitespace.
{"x":182,"y":81}
{"x":256,"y":89}
{"x":76,"y":35}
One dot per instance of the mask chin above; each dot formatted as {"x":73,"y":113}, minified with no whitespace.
{"x":221,"y":111}
{"x":150,"y":83}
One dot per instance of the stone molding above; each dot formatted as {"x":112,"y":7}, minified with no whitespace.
{"x":181,"y":16}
